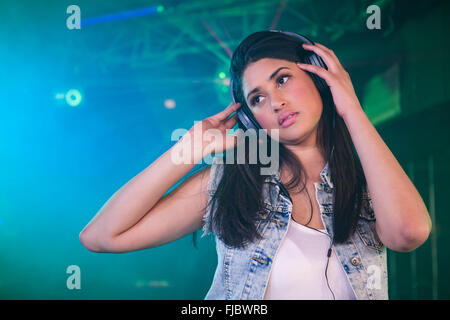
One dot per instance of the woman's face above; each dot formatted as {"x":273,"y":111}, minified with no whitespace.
{"x":289,"y":89}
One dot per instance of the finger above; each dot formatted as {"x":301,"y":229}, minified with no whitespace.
{"x":228,"y":110}
{"x":324,"y":48}
{"x":235,"y":136}
{"x":321,"y":72}
{"x":231,"y":141}
{"x":331,"y":52}
{"x":231,"y":121}
{"x":330,"y":59}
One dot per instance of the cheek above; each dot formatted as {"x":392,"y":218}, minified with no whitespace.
{"x":308,"y":97}
{"x":303,"y":92}
{"x":265,"y":120}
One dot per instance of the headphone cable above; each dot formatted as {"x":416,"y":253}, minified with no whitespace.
{"x":329,"y":250}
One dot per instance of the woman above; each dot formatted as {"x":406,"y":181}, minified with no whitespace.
{"x":273,"y":245}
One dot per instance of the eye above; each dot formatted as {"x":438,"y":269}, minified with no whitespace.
{"x":253,"y":100}
{"x":282,"y":77}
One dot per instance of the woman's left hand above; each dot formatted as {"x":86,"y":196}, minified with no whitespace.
{"x":337,"y":78}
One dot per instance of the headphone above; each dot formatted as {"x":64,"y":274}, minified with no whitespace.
{"x":248,"y":120}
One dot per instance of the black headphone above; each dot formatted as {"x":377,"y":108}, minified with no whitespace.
{"x":248,"y":120}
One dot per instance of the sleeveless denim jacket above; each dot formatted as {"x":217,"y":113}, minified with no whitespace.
{"x":243,"y":273}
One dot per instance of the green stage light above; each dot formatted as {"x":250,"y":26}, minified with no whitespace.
{"x":73,"y":97}
{"x":59,"y":96}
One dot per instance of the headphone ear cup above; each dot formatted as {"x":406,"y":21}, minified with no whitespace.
{"x":247,"y":118}
{"x":315,"y":60}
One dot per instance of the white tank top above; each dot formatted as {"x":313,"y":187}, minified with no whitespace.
{"x":298,"y":270}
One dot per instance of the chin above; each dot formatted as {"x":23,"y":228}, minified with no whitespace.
{"x":289,"y":136}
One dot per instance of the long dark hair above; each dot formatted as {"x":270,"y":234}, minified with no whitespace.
{"x":238,"y":199}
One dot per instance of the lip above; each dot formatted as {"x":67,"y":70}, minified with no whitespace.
{"x":283,"y":116}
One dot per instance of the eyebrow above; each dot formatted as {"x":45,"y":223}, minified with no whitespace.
{"x":270,"y":78}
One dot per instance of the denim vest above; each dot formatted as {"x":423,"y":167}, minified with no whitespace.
{"x":243,"y":273}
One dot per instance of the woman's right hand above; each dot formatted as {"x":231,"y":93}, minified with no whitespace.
{"x":210,"y":135}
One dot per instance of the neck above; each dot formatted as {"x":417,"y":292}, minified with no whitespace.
{"x":311,"y":159}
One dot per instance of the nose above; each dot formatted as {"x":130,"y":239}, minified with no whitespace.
{"x":278,"y":102}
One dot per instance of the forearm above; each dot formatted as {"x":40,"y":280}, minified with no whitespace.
{"x":399,"y":209}
{"x":139,"y":195}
